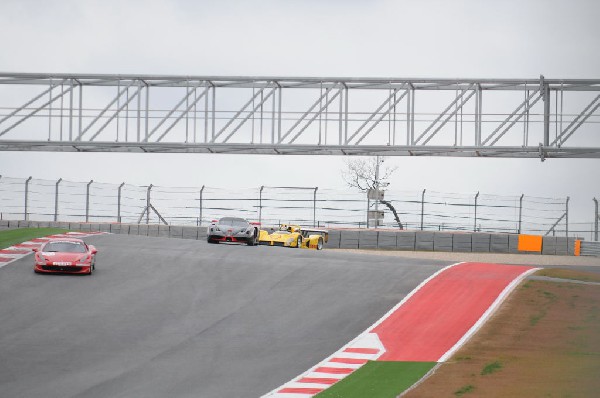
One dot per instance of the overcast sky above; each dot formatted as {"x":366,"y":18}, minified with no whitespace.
{"x":350,"y":38}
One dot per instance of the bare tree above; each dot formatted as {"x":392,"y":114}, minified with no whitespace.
{"x":367,"y":174}
{"x":363,"y":174}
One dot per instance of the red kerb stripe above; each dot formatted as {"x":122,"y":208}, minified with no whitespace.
{"x":319,"y":380}
{"x":6,"y":251}
{"x":307,"y":391}
{"x":335,"y":371}
{"x":362,"y":350}
{"x":354,"y":361}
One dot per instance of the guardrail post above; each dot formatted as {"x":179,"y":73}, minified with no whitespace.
{"x":596,"y":218}
{"x":87,"y":201}
{"x":260,"y":204}
{"x":56,"y":200}
{"x":119,"y":203}
{"x":475,"y":221}
{"x":200,"y":207}
{"x":422,"y":207}
{"x":520,"y":212}
{"x":26,"y":215}
{"x":315,"y":207}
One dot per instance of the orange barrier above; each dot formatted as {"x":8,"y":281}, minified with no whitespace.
{"x":578,"y":247}
{"x":530,"y":243}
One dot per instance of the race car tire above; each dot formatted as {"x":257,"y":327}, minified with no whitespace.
{"x":320,"y":244}
{"x":299,"y":242}
{"x":209,"y":240}
{"x":252,"y":241}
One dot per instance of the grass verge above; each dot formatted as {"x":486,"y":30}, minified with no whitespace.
{"x":13,"y":236}
{"x":378,"y":380}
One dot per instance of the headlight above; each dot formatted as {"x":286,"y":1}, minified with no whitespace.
{"x":40,"y":259}
{"x":84,"y":259}
{"x":290,"y":240}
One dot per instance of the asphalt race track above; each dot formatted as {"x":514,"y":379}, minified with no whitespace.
{"x":183,"y":318}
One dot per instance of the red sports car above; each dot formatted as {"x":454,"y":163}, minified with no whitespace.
{"x":66,"y":255}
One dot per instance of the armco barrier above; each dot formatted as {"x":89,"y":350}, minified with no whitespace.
{"x":358,"y":239}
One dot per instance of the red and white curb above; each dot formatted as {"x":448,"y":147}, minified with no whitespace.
{"x":23,"y":249}
{"x":370,"y":346}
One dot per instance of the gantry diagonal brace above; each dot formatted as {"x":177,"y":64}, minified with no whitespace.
{"x":313,"y":106}
{"x":391,"y":106}
{"x":574,"y":125}
{"x":249,"y":115}
{"x":35,"y":111}
{"x":462,"y":100}
{"x":110,"y":119}
{"x":187,"y":110}
{"x":119,"y":94}
{"x":234,"y":118}
{"x":168,"y":115}
{"x":526,"y":105}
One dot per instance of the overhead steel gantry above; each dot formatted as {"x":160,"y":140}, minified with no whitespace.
{"x":545,"y":118}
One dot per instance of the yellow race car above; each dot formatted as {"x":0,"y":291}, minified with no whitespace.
{"x":314,"y":238}
{"x":294,"y":236}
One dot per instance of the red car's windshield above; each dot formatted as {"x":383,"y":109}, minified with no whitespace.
{"x":65,"y":247}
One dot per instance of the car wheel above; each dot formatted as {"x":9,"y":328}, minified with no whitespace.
{"x":91,"y":269}
{"x":252,"y":241}
{"x":320,"y":244}
{"x":299,"y":242}
{"x":209,"y":240}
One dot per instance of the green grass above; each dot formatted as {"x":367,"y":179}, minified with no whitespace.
{"x":11,"y":237}
{"x":463,"y":390}
{"x":378,"y":380}
{"x":491,"y":368}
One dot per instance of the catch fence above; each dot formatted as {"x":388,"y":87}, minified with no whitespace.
{"x":91,"y":201}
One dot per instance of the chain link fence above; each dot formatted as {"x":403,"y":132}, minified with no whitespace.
{"x":91,"y":201}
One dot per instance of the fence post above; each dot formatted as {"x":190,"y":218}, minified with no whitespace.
{"x":148,"y":204}
{"x":200,"y":212}
{"x":567,"y":217}
{"x":368,"y":207}
{"x":260,"y":204}
{"x":315,"y":207}
{"x":27,"y":197}
{"x":422,"y":207}
{"x":56,"y":200}
{"x":596,"y":218}
{"x":475,"y":222}
{"x":520,"y":212}
{"x":87,"y":201}
{"x":119,"y":203}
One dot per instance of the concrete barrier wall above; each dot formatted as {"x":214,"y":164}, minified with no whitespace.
{"x":345,"y":239}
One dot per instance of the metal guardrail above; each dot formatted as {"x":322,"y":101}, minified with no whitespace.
{"x":590,"y":248}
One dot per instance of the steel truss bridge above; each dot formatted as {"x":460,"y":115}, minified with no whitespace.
{"x":542,"y":118}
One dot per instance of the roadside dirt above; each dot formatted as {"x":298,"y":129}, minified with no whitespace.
{"x":544,"y":341}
